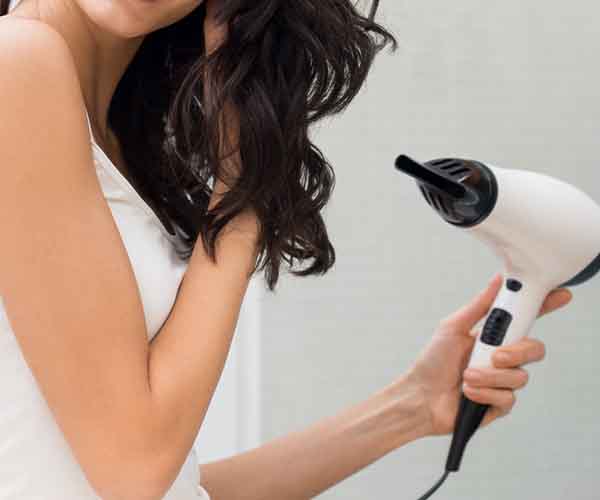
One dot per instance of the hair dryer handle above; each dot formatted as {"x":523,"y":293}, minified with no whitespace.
{"x":510,"y":318}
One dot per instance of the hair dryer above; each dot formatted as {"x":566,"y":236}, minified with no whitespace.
{"x":545,"y":231}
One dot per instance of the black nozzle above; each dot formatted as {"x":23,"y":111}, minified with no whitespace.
{"x":430,"y":176}
{"x":469,"y":418}
{"x":463,"y":192}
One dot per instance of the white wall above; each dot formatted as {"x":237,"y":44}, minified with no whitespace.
{"x":514,"y":83}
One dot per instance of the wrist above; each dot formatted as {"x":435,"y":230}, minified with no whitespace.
{"x":407,"y":404}
{"x":398,"y":413}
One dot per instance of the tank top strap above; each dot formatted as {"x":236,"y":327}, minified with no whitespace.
{"x":87,"y":117}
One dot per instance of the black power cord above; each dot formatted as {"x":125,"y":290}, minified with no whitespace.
{"x":436,"y":487}
{"x":470,"y":415}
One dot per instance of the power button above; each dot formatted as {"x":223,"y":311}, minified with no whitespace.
{"x":514,"y":285}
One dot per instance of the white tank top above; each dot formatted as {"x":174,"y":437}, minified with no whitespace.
{"x":36,"y":461}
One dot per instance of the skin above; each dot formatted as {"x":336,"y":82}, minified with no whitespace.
{"x":453,"y":342}
{"x":103,"y":38}
{"x":420,"y":403}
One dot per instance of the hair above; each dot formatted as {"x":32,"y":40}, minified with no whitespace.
{"x":284,"y":66}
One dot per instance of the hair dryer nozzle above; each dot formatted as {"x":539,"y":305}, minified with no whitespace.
{"x":430,"y":176}
{"x":463,"y":192}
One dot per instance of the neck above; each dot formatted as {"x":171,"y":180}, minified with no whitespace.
{"x":101,"y":57}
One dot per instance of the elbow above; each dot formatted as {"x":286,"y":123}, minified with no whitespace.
{"x":130,"y":486}
{"x":141,"y":495}
{"x":144,"y":478}
{"x":136,"y":462}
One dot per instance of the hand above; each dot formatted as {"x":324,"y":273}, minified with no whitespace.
{"x":438,"y":372}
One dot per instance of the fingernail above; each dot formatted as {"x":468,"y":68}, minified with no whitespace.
{"x":467,"y":388}
{"x":473,"y":375}
{"x":567,"y":293}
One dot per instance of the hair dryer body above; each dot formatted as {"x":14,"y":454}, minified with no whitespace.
{"x":545,"y":231}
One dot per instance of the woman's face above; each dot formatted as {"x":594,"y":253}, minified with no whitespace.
{"x":133,"y":18}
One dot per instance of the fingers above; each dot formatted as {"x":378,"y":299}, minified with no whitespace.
{"x":504,"y":378}
{"x":555,"y":300}
{"x":492,"y":414}
{"x":475,"y":332}
{"x":502,"y":400}
{"x":525,"y":351}
{"x":496,"y":386}
{"x":468,"y":316}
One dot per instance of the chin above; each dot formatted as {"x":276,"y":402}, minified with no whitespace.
{"x":135,"y":18}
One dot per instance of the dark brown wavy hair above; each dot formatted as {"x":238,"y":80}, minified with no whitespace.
{"x":285,"y":65}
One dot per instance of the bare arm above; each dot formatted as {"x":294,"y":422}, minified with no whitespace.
{"x":422,"y":402}
{"x":303,"y":464}
{"x":187,"y":357}
{"x":130,"y":410}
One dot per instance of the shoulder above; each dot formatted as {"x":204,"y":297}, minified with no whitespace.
{"x":66,"y":265}
{"x":24,"y":36}
{"x":26,"y":41}
{"x":41,"y":102}
{"x":35,"y":61}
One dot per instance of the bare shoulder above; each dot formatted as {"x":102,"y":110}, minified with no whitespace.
{"x":36,"y":63}
{"x":27,"y":41}
{"x":40,"y":89}
{"x":65,"y":278}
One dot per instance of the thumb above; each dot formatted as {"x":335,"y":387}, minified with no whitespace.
{"x":467,"y":316}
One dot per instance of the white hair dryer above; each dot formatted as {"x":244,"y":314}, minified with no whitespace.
{"x":545,"y":231}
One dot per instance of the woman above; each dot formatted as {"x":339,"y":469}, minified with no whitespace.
{"x":115,"y":325}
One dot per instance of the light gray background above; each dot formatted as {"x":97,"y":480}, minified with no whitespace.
{"x":512,"y":83}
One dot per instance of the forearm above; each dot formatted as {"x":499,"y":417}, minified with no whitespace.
{"x":303,"y":464}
